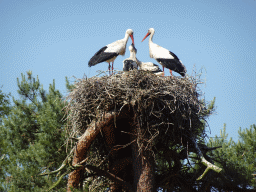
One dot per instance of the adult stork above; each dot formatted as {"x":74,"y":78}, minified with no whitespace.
{"x":131,"y":62}
{"x":163,"y":56}
{"x":111,"y":51}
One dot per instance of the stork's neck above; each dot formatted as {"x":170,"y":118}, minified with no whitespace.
{"x":151,"y":37}
{"x":132,"y":55}
{"x":126,"y":37}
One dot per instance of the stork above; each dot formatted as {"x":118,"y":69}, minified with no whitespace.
{"x":149,"y":66}
{"x":163,"y":56}
{"x":111,"y":51}
{"x":131,"y":62}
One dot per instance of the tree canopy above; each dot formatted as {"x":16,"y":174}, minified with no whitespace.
{"x":32,"y":136}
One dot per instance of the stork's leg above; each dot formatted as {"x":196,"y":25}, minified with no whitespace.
{"x":171,"y":73}
{"x":163,"y":71}
{"x":112,"y":67}
{"x":109,"y":68}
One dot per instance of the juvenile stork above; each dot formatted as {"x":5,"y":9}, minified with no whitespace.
{"x":111,"y":51}
{"x":149,"y":66}
{"x":132,"y":63}
{"x":163,"y":56}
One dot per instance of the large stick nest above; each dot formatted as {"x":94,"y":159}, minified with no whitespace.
{"x":167,"y":105}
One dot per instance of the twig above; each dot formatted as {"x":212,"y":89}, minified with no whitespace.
{"x":64,"y":163}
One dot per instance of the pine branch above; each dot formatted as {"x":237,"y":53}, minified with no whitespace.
{"x":204,"y":161}
{"x":62,"y":165}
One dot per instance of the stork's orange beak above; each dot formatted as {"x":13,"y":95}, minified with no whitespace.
{"x":145,"y":37}
{"x":132,"y":38}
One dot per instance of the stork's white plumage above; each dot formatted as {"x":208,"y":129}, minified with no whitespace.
{"x":149,"y":66}
{"x":111,"y":51}
{"x":163,"y":56}
{"x":131,"y":62}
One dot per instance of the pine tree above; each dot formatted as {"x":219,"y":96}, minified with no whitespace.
{"x":4,"y":105}
{"x":4,"y":110}
{"x":246,"y":149}
{"x":237,"y":160}
{"x":32,"y":137}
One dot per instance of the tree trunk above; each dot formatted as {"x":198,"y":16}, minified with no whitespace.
{"x":143,"y":166}
{"x":82,"y":147}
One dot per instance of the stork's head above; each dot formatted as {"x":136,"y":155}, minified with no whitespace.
{"x":130,"y":33}
{"x":150,"y":31}
{"x":132,"y":48}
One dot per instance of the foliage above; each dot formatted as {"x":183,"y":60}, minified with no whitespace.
{"x":237,"y":160}
{"x":32,"y":137}
{"x":4,"y":105}
{"x":4,"y":111}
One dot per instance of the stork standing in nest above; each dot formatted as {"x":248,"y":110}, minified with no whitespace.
{"x":163,"y":56}
{"x":111,"y":51}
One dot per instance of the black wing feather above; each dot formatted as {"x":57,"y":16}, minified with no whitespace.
{"x":175,"y":56}
{"x":101,"y":56}
{"x":173,"y":64}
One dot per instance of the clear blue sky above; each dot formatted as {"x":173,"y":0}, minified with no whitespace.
{"x":56,"y":38}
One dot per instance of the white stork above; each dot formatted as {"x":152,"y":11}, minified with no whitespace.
{"x":149,"y":66}
{"x":131,"y":62}
{"x":111,"y":51}
{"x":163,"y":56}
